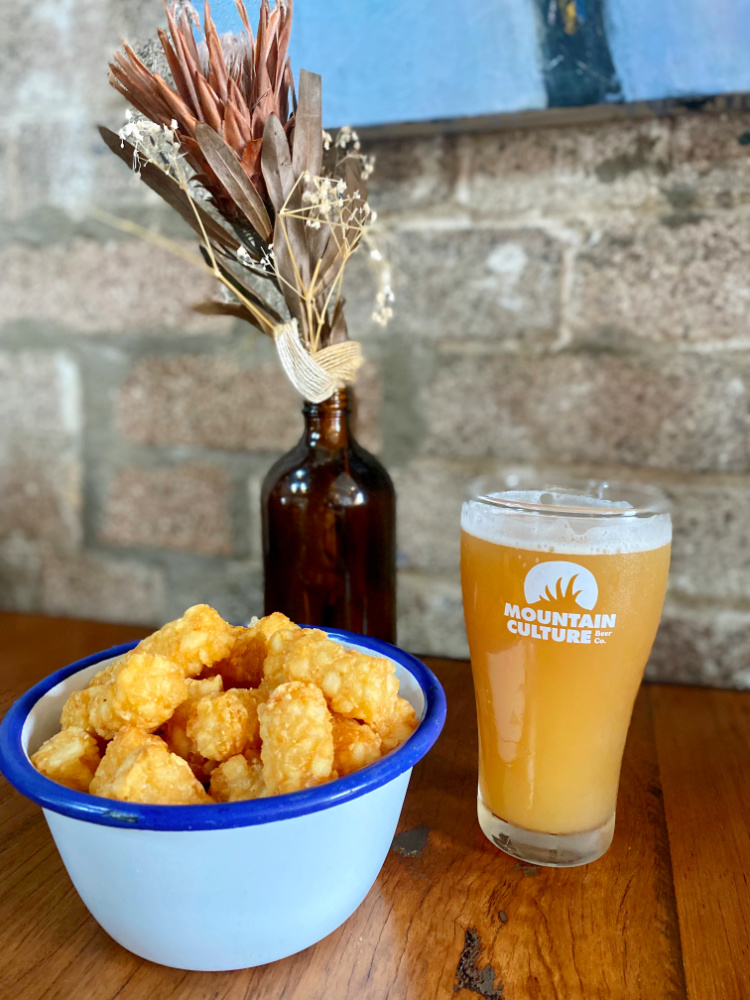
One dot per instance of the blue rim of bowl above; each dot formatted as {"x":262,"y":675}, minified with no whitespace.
{"x":22,"y":774}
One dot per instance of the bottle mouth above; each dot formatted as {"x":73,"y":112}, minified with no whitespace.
{"x":339,"y":402}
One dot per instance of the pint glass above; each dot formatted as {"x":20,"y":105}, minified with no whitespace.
{"x":563,"y":588}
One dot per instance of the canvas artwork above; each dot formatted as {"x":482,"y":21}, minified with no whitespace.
{"x":394,"y":61}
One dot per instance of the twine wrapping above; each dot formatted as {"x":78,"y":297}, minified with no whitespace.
{"x":316,"y":376}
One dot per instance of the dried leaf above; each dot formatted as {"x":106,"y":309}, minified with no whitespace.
{"x":228,"y":169}
{"x":317,"y":241}
{"x":276,"y":163}
{"x":284,"y":35}
{"x":176,"y":68}
{"x":244,"y":290}
{"x":189,"y":67}
{"x":218,"y":76}
{"x":279,"y":176}
{"x":168,"y":189}
{"x":308,"y":130}
{"x":242,"y":10}
{"x":288,"y":280}
{"x":339,"y":332}
{"x":209,"y":104}
{"x":236,"y":131}
{"x":236,"y":309}
{"x":330,"y":263}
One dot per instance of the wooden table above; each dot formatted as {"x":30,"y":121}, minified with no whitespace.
{"x":663,"y":916}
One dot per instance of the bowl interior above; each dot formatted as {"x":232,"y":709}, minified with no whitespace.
{"x":43,"y":721}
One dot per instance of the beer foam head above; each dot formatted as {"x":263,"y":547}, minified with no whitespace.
{"x":573,"y":528}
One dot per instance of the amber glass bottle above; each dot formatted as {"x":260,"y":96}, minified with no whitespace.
{"x":329,"y":518}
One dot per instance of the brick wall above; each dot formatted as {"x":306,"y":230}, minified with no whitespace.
{"x":572,"y":298}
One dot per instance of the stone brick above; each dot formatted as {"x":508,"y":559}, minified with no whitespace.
{"x":711,"y":543}
{"x":686,"y":283}
{"x":39,"y":395}
{"x":479,"y":283}
{"x":8,"y":171}
{"x":411,"y":174}
{"x":120,"y":287}
{"x":702,"y":643}
{"x":430,"y":494}
{"x":20,"y":574}
{"x":220,"y":402}
{"x":41,"y":495}
{"x":210,"y":402}
{"x":368,"y":396}
{"x":233,"y":587}
{"x":660,"y":409}
{"x":430,"y":615}
{"x":82,"y":36}
{"x":103,"y":588}
{"x":705,"y":139}
{"x":563,"y":172}
{"x":180,"y":507}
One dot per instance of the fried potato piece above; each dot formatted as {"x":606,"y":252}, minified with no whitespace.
{"x":237,"y":779}
{"x":297,"y":741}
{"x":174,"y":731}
{"x":149,"y":773}
{"x":144,"y":691}
{"x":221,"y":725}
{"x":76,"y":712}
{"x":128,"y":739}
{"x":197,"y":640}
{"x":355,"y":744}
{"x":396,"y":728}
{"x":107,"y":674}
{"x":356,"y":685}
{"x":70,"y":757}
{"x":244,"y":665}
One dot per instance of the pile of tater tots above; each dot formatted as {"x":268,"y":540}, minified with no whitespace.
{"x":202,"y":711}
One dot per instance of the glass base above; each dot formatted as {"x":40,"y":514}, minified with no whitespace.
{"x":555,"y":850}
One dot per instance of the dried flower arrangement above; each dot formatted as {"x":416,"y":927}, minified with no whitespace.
{"x":280,"y":206}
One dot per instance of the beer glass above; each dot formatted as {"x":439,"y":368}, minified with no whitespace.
{"x":563,"y":588}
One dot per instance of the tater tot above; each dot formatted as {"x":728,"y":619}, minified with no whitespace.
{"x":151,"y":774}
{"x":106,"y":675}
{"x":243,"y":668}
{"x":76,"y":712}
{"x":222,"y":725}
{"x":197,"y":640}
{"x":356,"y":685}
{"x":175,"y":729}
{"x":70,"y":757}
{"x":128,"y":739}
{"x":297,"y":742}
{"x":144,"y":691}
{"x":237,"y":779}
{"x":398,"y":726}
{"x":355,"y":744}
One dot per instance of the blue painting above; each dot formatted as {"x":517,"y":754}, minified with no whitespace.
{"x":390,"y":61}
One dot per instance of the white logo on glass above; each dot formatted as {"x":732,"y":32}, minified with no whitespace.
{"x":558,"y":580}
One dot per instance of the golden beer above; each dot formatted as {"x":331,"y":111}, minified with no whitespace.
{"x":562,"y":601}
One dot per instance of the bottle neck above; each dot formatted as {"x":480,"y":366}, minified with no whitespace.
{"x":327,"y":423}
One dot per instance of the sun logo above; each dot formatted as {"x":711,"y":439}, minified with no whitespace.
{"x":561,"y":583}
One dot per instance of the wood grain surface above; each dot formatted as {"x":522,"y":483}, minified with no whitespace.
{"x":664,"y":915}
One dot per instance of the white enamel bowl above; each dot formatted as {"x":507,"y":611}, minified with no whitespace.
{"x":230,"y":885}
